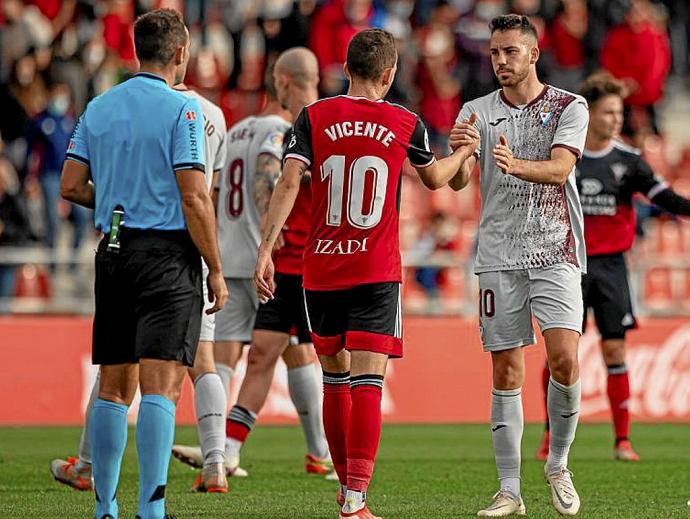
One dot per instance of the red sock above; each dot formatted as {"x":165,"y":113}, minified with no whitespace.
{"x":619,"y":396}
{"x":239,"y":423}
{"x":545,"y":375}
{"x":365,"y":430}
{"x":336,"y":419}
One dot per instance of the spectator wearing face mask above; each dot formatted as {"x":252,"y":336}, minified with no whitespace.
{"x":48,"y":138}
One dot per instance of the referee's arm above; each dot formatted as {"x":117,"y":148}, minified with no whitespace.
{"x":75,"y":184}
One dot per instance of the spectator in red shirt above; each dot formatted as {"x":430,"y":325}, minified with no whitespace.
{"x":567,"y":34}
{"x":638,"y":52}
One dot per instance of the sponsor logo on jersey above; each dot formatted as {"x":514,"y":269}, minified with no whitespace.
{"x":590,"y":186}
{"x":344,"y":247}
{"x":293,"y":141}
{"x":190,"y":115}
{"x":276,"y":139}
{"x":498,"y":121}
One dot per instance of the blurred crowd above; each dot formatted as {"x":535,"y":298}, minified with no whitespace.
{"x":55,"y":55}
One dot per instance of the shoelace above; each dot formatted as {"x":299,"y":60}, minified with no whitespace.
{"x":565,"y":483}
{"x":502,"y":493}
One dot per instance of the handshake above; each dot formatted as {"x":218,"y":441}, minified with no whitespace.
{"x":465,"y":134}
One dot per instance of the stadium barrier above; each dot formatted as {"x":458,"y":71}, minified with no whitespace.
{"x":444,"y":377}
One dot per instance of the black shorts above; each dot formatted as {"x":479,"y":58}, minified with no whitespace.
{"x":148,"y":298}
{"x":285,"y":313}
{"x":605,"y":289}
{"x":365,"y":317}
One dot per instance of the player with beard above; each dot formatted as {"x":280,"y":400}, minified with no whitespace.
{"x":530,"y":252}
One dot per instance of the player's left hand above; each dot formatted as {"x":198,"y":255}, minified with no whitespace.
{"x":263,"y":277}
{"x":503,"y":156}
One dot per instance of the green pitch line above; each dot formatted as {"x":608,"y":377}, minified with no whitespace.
{"x":423,"y":472}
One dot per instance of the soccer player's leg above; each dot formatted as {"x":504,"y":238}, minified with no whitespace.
{"x":304,"y":389}
{"x":506,"y":327}
{"x":557,"y":305}
{"x":326,"y":313}
{"x":614,"y":316}
{"x":75,"y":471}
{"x":374,"y":333}
{"x":210,"y":405}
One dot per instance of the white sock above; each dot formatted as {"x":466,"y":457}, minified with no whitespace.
{"x":85,"y":442}
{"x":354,"y":501}
{"x":232,"y":448}
{"x":304,"y":390}
{"x":225,"y":373}
{"x":563,"y":405}
{"x":210,"y":404}
{"x":507,"y":424}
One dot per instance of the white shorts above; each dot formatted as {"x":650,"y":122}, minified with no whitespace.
{"x":208,"y":322}
{"x":235,"y":322}
{"x":508,"y":300}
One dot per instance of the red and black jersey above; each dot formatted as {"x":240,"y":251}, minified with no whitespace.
{"x":355,"y":149}
{"x":607,"y":181}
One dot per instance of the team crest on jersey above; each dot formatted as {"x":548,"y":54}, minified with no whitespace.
{"x":619,"y":170}
{"x":546,"y":114}
{"x":190,"y":116}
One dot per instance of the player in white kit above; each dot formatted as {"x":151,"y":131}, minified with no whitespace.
{"x":210,"y":400}
{"x":527,"y":138}
{"x":254,"y":154}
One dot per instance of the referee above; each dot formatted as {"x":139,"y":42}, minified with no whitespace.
{"x":137,"y":158}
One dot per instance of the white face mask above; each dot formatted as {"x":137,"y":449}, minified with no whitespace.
{"x":59,"y":105}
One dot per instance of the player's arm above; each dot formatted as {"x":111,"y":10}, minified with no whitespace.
{"x":441,"y":172}
{"x":464,"y":133}
{"x":267,"y":174}
{"x":552,"y":171}
{"x":282,"y":201}
{"x":566,"y":149}
{"x":197,"y":207}
{"x":214,"y":190}
{"x":658,"y":191}
{"x":75,"y":182}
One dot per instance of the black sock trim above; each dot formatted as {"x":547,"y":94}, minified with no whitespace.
{"x":158,"y":494}
{"x":367,"y":380}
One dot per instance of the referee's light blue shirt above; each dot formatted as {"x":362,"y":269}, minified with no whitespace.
{"x":134,"y":137}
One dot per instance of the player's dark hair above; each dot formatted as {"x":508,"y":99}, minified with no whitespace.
{"x":509,"y":22}
{"x":157,"y":35}
{"x":602,"y":84}
{"x":370,"y":53}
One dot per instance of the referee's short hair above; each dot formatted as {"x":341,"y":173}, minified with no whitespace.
{"x":158,"y":34}
{"x":508,"y":22}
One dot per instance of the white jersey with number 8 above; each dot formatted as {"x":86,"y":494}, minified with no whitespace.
{"x":239,"y":224}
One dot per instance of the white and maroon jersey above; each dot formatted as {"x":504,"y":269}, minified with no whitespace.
{"x":355,"y":149}
{"x":522,"y":224}
{"x":239,"y":223}
{"x":607,"y":181}
{"x":214,"y":134}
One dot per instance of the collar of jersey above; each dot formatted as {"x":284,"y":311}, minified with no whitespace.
{"x":150,"y":76}
{"x":599,"y":153}
{"x":533,"y":101}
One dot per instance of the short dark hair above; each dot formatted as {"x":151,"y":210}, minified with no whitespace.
{"x":370,"y":52}
{"x":158,"y":34}
{"x":508,"y":22}
{"x":602,"y":84}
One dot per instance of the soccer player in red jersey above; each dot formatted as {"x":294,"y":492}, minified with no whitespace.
{"x":608,"y":177}
{"x":355,"y":146}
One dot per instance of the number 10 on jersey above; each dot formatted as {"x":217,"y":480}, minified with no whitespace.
{"x":333,"y":172}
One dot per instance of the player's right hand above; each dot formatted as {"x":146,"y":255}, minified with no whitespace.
{"x":464,"y":133}
{"x":217,"y":291}
{"x":263,"y":277}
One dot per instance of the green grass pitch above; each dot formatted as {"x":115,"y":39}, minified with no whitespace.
{"x":423,"y":471}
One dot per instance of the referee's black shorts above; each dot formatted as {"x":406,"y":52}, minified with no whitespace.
{"x":148,"y":298}
{"x":606,"y":291}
